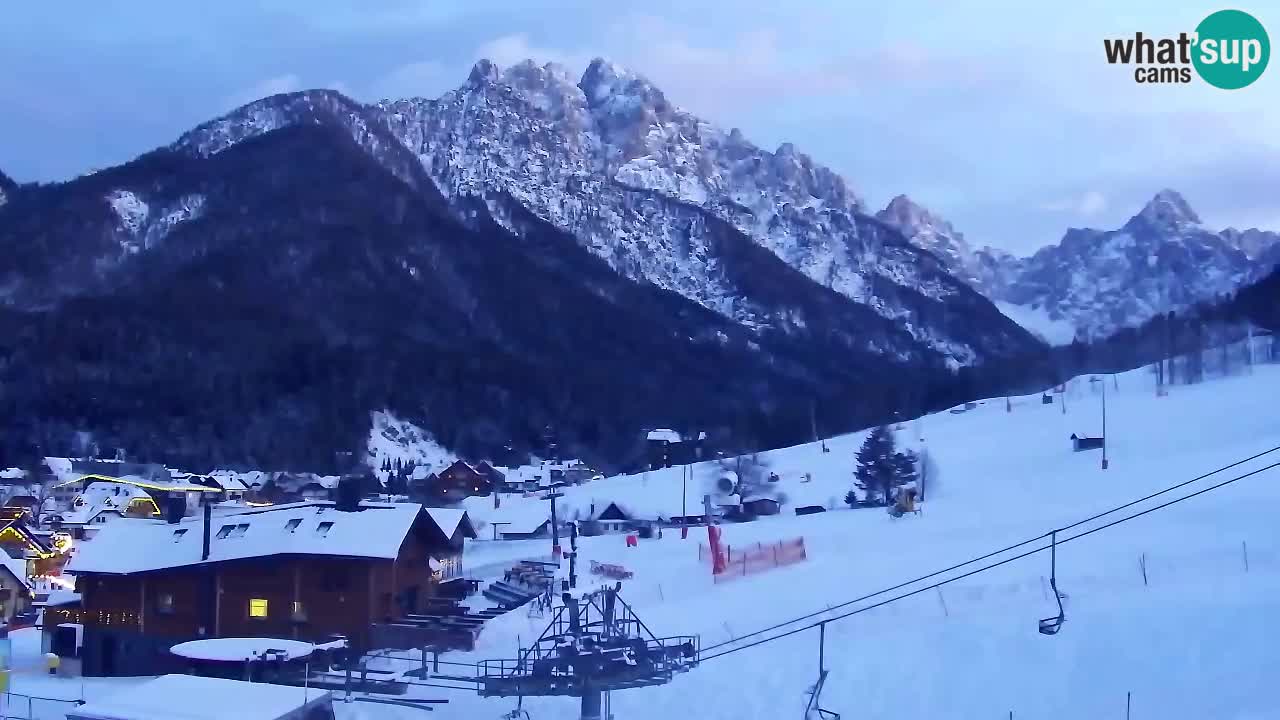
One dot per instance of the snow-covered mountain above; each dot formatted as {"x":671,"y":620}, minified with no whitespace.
{"x":662,"y":196}
{"x":1094,"y":282}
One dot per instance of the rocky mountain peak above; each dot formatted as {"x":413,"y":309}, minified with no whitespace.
{"x":909,"y":216}
{"x":1167,"y":211}
{"x":484,"y":71}
{"x":606,"y":83}
{"x":929,"y":232}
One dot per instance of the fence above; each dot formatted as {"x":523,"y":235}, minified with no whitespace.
{"x":741,"y":561}
{"x":14,"y":706}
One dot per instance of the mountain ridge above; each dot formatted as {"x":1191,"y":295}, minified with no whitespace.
{"x":611,"y":161}
{"x":1101,"y":281}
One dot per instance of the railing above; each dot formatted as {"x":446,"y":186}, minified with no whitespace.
{"x":100,"y":618}
{"x":14,"y":706}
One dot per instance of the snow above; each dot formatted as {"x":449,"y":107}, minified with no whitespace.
{"x":1036,"y":320}
{"x":61,"y":468}
{"x":394,"y":439}
{"x":377,"y":531}
{"x":100,"y":497}
{"x":18,"y":566}
{"x":130,"y":209}
{"x":240,"y":649}
{"x":1193,"y":641}
{"x":187,"y":697}
{"x":447,"y":519}
{"x":670,"y":436}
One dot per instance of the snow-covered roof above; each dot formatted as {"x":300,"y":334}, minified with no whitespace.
{"x":664,"y":434}
{"x":240,"y":649}
{"x":18,"y":567}
{"x":130,"y":546}
{"x":190,"y":697}
{"x":101,"y":497}
{"x":170,"y":485}
{"x":522,"y":519}
{"x":12,"y":473}
{"x":447,"y":519}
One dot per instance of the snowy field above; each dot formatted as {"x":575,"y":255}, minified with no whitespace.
{"x":1196,"y":639}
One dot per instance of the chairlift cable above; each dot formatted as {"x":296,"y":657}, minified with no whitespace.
{"x":994,"y":553}
{"x":971,"y":573}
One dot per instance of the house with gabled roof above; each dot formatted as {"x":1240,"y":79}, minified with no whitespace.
{"x":305,"y":571}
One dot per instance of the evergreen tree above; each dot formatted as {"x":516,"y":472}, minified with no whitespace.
{"x":904,"y":468}
{"x":877,"y":472}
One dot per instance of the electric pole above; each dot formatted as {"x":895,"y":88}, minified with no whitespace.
{"x":1104,"y":424}
{"x":555,"y":526}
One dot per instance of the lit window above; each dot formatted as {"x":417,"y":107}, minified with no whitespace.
{"x":323,"y":528}
{"x":224,"y":531}
{"x":293,"y":524}
{"x":258,"y":608}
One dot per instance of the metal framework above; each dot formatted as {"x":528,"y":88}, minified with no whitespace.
{"x":593,"y":645}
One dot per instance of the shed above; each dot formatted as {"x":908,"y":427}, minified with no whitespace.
{"x":1082,"y":442}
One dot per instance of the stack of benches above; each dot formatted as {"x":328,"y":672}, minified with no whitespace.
{"x":525,"y":581}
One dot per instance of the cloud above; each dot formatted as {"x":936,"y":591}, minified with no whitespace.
{"x":426,"y":78}
{"x":1089,"y":203}
{"x":508,"y":50}
{"x":271,"y":86}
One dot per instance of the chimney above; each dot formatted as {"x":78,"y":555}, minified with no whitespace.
{"x":208,"y":520}
{"x":348,"y":494}
{"x":175,"y":508}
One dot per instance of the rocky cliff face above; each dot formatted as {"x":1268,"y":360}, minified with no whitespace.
{"x":641,"y":184}
{"x":524,"y":252}
{"x":1099,"y":281}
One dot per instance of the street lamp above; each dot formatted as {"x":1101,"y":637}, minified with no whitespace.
{"x":1104,"y":425}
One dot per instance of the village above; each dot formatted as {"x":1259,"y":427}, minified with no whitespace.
{"x":394,"y":590}
{"x":130,"y":569}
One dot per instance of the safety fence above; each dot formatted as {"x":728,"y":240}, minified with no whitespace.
{"x":741,"y":560}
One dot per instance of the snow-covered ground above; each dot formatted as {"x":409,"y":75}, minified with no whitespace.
{"x":1037,"y":321}
{"x":395,"y":440}
{"x":1195,"y":639}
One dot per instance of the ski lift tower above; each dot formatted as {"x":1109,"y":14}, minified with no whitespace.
{"x":594,"y":644}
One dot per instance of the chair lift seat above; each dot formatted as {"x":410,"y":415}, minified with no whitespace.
{"x":1051,"y":626}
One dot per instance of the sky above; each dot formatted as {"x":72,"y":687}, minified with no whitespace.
{"x":1002,"y":117}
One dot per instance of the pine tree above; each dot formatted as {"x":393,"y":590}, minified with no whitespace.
{"x":876,"y":472}
{"x":851,"y":498}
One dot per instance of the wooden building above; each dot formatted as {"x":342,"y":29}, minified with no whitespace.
{"x":305,"y":571}
{"x":459,"y":481}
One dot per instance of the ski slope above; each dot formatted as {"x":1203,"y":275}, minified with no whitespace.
{"x":1195,"y":641}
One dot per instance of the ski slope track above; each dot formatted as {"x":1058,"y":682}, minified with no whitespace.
{"x":1194,"y":640}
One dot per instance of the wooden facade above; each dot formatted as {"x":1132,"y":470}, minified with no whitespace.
{"x":460,"y":480}
{"x":305,"y":597}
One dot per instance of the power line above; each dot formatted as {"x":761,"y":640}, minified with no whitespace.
{"x":984,"y":568}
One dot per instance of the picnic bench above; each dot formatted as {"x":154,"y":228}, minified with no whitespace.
{"x":609,"y":570}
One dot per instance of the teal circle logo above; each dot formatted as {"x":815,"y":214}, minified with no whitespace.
{"x":1232,"y":49}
